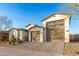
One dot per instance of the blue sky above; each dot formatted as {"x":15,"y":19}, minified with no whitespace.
{"x":25,"y":13}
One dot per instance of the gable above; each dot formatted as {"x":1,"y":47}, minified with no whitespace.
{"x":29,"y":26}
{"x":34,"y":28}
{"x":56,"y":17}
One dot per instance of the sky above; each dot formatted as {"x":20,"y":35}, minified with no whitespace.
{"x":22,"y":14}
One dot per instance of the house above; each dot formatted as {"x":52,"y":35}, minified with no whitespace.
{"x":35,"y":32}
{"x":57,"y":27}
{"x":19,"y":34}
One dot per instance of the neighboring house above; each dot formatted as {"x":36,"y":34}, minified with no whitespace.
{"x":20,"y":34}
{"x":5,"y":35}
{"x":35,"y":33}
{"x":57,"y":27}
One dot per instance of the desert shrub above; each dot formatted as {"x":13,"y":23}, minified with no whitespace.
{"x":20,"y":41}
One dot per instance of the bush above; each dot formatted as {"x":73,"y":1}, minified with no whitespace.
{"x":20,"y":41}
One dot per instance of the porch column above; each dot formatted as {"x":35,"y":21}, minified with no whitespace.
{"x":41,"y":35}
{"x":29,"y":35}
{"x":45,"y":33}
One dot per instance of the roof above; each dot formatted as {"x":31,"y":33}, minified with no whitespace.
{"x":55,"y":14}
{"x":23,"y":29}
{"x":28,"y":25}
{"x":32,"y":24}
{"x":4,"y":31}
{"x":13,"y":28}
{"x":18,"y":29}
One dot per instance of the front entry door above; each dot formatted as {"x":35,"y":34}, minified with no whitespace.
{"x":35,"y":36}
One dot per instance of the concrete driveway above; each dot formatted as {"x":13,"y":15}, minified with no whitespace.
{"x":32,"y":49}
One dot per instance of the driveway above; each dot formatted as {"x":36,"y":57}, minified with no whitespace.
{"x":31,"y":49}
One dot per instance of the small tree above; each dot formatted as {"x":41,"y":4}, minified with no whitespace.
{"x":73,"y":7}
{"x":5,"y":24}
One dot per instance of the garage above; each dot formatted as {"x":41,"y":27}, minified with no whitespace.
{"x":56,"y":30}
{"x":35,"y":33}
{"x":35,"y":36}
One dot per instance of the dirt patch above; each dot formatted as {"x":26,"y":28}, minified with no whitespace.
{"x":71,"y":49}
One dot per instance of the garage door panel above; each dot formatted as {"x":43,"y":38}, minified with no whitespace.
{"x":35,"y":36}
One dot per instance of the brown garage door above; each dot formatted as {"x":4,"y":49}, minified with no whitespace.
{"x":35,"y":36}
{"x":55,"y":30}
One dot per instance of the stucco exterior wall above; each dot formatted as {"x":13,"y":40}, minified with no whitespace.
{"x":23,"y":35}
{"x":67,"y":35}
{"x":13,"y":32}
{"x":19,"y":34}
